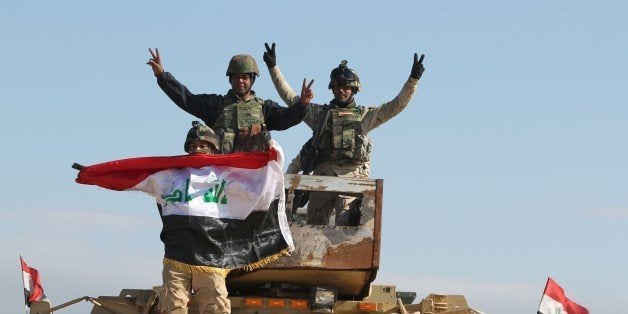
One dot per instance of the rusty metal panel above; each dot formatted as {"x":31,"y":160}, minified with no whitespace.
{"x":377,"y":228}
{"x":337,"y":247}
{"x":330,"y":247}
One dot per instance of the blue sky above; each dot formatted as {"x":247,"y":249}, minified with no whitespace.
{"x":509,"y":165}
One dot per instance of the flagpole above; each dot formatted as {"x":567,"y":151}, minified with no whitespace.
{"x":544,"y":289}
{"x":23,"y":284}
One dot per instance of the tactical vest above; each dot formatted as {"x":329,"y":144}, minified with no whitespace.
{"x":240,"y":127}
{"x":343,"y":139}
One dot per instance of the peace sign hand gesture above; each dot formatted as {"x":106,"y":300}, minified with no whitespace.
{"x":269,"y":56}
{"x":155,"y":62}
{"x":306,"y":93}
{"x":417,"y":67}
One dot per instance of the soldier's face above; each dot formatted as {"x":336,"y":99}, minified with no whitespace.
{"x":201,"y":147}
{"x":342,"y":93}
{"x":241,"y":84}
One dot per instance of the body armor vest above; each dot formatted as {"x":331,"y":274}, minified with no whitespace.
{"x":240,"y":127}
{"x":343,"y":138}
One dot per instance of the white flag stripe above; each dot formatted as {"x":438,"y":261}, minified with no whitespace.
{"x":551,"y":306}
{"x":28,"y":282}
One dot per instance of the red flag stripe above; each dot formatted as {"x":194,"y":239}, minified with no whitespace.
{"x":126,"y":173}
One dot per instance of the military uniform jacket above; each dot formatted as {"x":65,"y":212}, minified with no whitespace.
{"x":371,"y":117}
{"x":208,"y":107}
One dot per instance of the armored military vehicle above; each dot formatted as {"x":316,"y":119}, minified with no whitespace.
{"x":330,"y":271}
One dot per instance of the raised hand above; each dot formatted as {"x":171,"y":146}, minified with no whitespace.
{"x":269,"y":56}
{"x":306,"y":93}
{"x":155,"y":62}
{"x":417,"y":67}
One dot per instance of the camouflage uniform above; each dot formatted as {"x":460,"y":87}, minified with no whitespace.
{"x":345,"y":146}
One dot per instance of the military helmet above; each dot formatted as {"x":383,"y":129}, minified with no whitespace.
{"x":344,"y":76}
{"x":242,"y":64}
{"x":201,"y":132}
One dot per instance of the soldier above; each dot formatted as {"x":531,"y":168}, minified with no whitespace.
{"x":240,"y":118}
{"x":180,"y":278}
{"x":344,"y":149}
{"x":201,"y":139}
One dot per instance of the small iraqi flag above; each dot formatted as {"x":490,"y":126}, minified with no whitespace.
{"x":554,"y":301}
{"x":33,"y":291}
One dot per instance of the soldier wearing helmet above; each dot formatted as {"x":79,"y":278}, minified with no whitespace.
{"x":344,"y":149}
{"x":201,"y":139}
{"x":240,"y":118}
{"x":342,"y":76}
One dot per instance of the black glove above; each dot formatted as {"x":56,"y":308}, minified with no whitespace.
{"x":417,"y":66}
{"x":269,"y":56}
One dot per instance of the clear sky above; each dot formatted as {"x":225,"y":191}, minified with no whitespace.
{"x":508,"y":166}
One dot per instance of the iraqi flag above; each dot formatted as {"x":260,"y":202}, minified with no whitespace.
{"x":222,"y":211}
{"x":554,"y":301}
{"x":33,"y":291}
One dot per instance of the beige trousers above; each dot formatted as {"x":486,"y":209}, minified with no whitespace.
{"x":210,"y":292}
